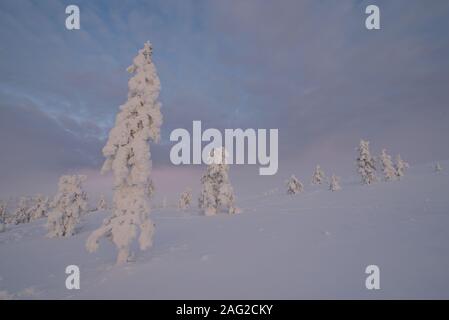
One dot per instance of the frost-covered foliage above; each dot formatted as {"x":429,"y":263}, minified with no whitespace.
{"x":438,"y":167}
{"x":294,"y":186}
{"x":318,"y":176}
{"x":366,"y":166}
{"x":185,"y":199}
{"x":22,"y":212}
{"x":102,"y":203}
{"x":3,"y":215}
{"x":68,"y":206}
{"x":127,"y":153}
{"x":217,"y":192}
{"x":335,"y":183}
{"x":400,"y":166}
{"x":39,"y":207}
{"x":388,"y":168}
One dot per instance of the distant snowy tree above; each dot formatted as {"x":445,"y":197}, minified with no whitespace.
{"x":438,"y":167}
{"x":294,"y":186}
{"x":39,"y":207}
{"x":185,"y":199}
{"x":22,"y":213}
{"x":318,"y":176}
{"x":68,"y":206}
{"x":217,"y":191}
{"x":388,"y":168}
{"x":366,"y":164}
{"x":127,"y":153}
{"x":400,"y":166}
{"x":102,"y":203}
{"x":3,"y":215}
{"x":335,"y":183}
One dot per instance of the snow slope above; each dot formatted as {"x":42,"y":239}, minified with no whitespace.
{"x":313,"y":245}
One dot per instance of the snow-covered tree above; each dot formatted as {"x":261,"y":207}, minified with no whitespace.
{"x":318,"y":176}
{"x":294,"y":186}
{"x":68,"y":206}
{"x":39,"y":207}
{"x":335,"y":183}
{"x":365,"y":163}
{"x":102,"y":203}
{"x":217,"y":192}
{"x":400,"y":166}
{"x":22,"y":213}
{"x":438,"y":167}
{"x":3,"y":215}
{"x":127,"y":153}
{"x":185,"y":199}
{"x":388,"y":168}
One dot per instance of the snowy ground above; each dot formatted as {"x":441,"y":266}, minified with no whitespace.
{"x":313,"y":245}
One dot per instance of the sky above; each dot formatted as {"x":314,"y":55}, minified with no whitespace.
{"x":307,"y":68}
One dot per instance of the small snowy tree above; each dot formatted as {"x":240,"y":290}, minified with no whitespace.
{"x":318,"y":176}
{"x":22,"y":213}
{"x":388,"y":168}
{"x":185,"y":199}
{"x":3,"y":215}
{"x":127,"y":153}
{"x":335,"y":183}
{"x":438,"y":167}
{"x":68,"y":206}
{"x":102,"y":203}
{"x":294,"y":186}
{"x":366,"y":164}
{"x":217,"y":191}
{"x":400,"y":166}
{"x":39,"y":208}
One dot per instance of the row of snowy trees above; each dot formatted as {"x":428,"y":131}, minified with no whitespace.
{"x":366,"y":165}
{"x":294,"y":186}
{"x":58,"y":211}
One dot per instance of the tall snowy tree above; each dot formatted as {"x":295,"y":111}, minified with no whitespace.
{"x":102,"y":203}
{"x":388,"y":168}
{"x":39,"y":207}
{"x":335,"y":183}
{"x":318,"y":176}
{"x":127,"y":153}
{"x":400,"y":166}
{"x":365,"y":163}
{"x":3,"y":215}
{"x":294,"y":186}
{"x":69,"y":204}
{"x":217,"y":192}
{"x":438,"y":167}
{"x":22,"y":213}
{"x":185,"y":199}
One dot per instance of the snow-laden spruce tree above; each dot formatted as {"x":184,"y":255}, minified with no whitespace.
{"x":335,"y":183}
{"x":318,"y":176}
{"x":102,"y":203}
{"x":69,"y":204}
{"x":217,"y":192}
{"x":3,"y":215}
{"x":294,"y":186}
{"x":39,"y":208}
{"x":127,"y":153}
{"x":365,"y":163}
{"x":400,"y":166}
{"x":388,"y":168}
{"x":22,"y":212}
{"x":438,"y":167}
{"x":185,"y":199}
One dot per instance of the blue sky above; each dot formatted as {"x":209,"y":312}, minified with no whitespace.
{"x":308,"y":68}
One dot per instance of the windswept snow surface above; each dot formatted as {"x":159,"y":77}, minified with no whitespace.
{"x":316,"y":244}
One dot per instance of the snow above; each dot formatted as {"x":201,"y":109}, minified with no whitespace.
{"x":313,"y":245}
